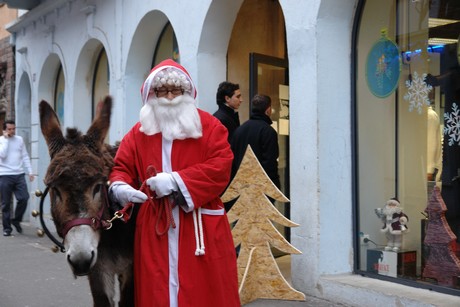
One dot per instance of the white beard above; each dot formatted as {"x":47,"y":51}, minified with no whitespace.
{"x":176,"y":119}
{"x":389,"y":211}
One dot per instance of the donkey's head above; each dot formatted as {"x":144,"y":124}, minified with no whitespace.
{"x":76,"y":177}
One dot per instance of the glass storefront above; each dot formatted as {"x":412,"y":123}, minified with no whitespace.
{"x":101,"y":82}
{"x":59,"y":92}
{"x":407,"y":136}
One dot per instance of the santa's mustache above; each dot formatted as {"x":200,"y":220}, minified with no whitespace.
{"x":175,"y":118}
{"x":391,"y":210}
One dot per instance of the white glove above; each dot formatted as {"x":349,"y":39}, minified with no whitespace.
{"x":124,"y":193}
{"x":163,"y":184}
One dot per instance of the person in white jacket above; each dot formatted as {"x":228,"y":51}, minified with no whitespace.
{"x":14,"y":160}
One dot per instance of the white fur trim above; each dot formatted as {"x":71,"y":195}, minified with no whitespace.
{"x":173,"y":77}
{"x":393,"y":202}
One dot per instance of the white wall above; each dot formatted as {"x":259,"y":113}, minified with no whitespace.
{"x":318,"y":43}
{"x":335,"y":23}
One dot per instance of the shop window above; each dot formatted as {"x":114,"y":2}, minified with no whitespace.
{"x":101,"y":86}
{"x":166,"y":47}
{"x":59,"y":95}
{"x":407,"y":132}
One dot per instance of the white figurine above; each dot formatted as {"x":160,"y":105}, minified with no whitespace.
{"x":394,"y":223}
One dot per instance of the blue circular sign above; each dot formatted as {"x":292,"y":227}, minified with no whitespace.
{"x":383,"y":67}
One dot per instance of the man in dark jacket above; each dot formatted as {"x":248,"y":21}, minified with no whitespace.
{"x":228,"y":99}
{"x":258,"y":133}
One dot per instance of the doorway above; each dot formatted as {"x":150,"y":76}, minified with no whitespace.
{"x":268,"y":75}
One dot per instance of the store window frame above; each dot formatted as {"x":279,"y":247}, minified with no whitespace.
{"x":355,"y":171}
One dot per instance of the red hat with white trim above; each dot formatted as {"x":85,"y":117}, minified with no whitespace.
{"x":169,"y":73}
{"x":393,"y":201}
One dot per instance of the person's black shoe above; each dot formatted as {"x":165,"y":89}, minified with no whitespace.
{"x":18,"y":227}
{"x":6,"y":233}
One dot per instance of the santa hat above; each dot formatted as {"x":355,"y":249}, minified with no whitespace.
{"x":393,"y":201}
{"x":170,"y":73}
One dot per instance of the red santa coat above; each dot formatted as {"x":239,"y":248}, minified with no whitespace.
{"x":393,"y":224}
{"x":167,"y":272}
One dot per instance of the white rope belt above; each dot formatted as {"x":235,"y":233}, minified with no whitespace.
{"x":198,"y":225}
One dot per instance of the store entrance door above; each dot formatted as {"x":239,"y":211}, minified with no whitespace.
{"x":269,"y":76}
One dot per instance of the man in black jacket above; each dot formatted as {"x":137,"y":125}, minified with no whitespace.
{"x":258,"y":133}
{"x":228,"y":99}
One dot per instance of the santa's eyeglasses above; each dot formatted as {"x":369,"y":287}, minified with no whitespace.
{"x":163,"y":92}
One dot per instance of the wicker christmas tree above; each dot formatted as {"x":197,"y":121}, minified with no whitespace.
{"x":258,"y":272}
{"x":441,"y":263}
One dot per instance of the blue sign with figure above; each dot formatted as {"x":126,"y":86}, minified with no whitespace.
{"x":383,"y":67}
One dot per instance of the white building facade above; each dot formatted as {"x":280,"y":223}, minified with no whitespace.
{"x":73,"y":52}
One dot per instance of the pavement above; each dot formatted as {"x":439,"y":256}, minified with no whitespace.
{"x":309,"y":301}
{"x":31,"y":275}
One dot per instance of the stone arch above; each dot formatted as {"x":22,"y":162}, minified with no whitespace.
{"x":23,"y":109}
{"x":138,"y":64}
{"x":212,"y":49}
{"x":45,"y":90}
{"x":47,"y":79}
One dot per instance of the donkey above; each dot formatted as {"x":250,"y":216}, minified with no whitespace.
{"x":77,"y":179}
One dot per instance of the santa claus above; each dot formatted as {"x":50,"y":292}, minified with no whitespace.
{"x":192,"y":262}
{"x":394,"y":223}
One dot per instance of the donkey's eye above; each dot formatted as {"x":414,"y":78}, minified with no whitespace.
{"x":57,"y":193}
{"x":96,"y":189}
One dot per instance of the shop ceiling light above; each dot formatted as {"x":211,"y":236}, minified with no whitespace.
{"x":437,"y":22}
{"x":441,"y":41}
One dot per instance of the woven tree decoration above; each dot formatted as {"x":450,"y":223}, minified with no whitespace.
{"x":258,"y":273}
{"x":441,"y":263}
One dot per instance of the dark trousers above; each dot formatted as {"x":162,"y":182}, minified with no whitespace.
{"x":10,"y":184}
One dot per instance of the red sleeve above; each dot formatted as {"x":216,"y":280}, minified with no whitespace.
{"x":207,"y":178}
{"x":125,"y":166}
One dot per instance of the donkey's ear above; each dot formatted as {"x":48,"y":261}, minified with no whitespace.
{"x":101,"y":123}
{"x":51,"y":128}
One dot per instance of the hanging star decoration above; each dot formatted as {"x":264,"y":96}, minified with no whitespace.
{"x":417,"y":92}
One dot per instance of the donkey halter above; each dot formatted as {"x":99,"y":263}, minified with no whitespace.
{"x":96,"y":222}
